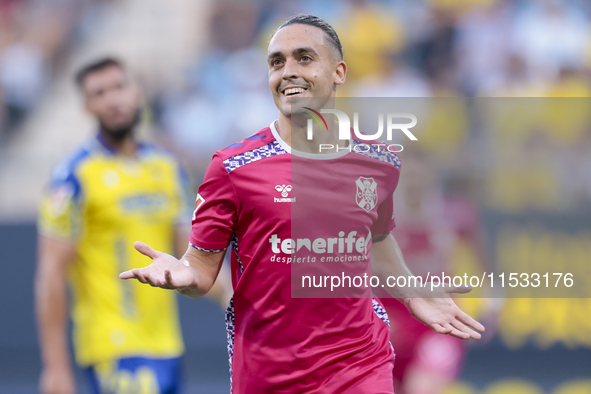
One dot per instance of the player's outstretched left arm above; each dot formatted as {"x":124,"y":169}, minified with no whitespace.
{"x":193,"y":275}
{"x":437,"y":311}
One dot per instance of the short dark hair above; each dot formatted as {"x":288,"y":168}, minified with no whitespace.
{"x":311,"y":20}
{"x":96,"y":66}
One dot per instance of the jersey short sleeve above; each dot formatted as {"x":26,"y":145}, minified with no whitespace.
{"x":60,"y":211}
{"x":385,"y":222}
{"x":216,"y":209}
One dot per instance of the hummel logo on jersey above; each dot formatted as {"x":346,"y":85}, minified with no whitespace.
{"x":284,"y":190}
{"x":367,"y":193}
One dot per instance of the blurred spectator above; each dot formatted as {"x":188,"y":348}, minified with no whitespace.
{"x":2,"y":116}
{"x":396,"y":79}
{"x":10,"y":11}
{"x":571,"y":82}
{"x":23,"y":77}
{"x":32,"y":37}
{"x":367,"y":34}
{"x":483,"y":46}
{"x":551,"y":35}
{"x":576,"y":173}
{"x":436,"y":52}
{"x":232,"y":25}
{"x":516,"y":80}
{"x":457,"y":7}
{"x":524,"y":180}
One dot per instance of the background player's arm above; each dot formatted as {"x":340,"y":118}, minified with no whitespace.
{"x":193,"y":275}
{"x":54,"y":256}
{"x":440,"y":314}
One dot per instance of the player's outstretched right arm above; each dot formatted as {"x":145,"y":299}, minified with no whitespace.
{"x":193,"y":275}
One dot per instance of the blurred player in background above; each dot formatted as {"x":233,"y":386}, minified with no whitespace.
{"x":430,"y":226}
{"x":110,"y":192}
{"x":278,"y":343}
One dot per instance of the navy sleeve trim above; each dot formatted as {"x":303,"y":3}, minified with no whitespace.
{"x":207,"y":250}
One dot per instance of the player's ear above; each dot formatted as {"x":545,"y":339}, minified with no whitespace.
{"x":340,"y":73}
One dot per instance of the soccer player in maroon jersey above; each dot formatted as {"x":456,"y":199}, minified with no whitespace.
{"x":276,"y":205}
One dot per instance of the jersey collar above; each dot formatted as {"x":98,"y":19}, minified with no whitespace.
{"x":142,"y":150}
{"x":104,"y":144}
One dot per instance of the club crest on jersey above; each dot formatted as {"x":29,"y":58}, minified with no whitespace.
{"x":367,"y":193}
{"x":200,"y":200}
{"x":61,"y":197}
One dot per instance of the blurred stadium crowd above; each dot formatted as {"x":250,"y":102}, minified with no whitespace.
{"x":394,"y":48}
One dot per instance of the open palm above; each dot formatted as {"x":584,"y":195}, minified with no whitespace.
{"x":165,"y":272}
{"x":443,"y":316}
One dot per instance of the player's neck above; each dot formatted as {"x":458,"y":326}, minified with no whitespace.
{"x":296,"y":136}
{"x":126,"y":146}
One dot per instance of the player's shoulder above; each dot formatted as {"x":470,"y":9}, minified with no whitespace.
{"x":259,"y":145}
{"x":65,"y":179}
{"x":251,"y":143}
{"x":90,"y":153}
{"x":376,"y":150}
{"x":150,"y":150}
{"x":67,"y":168}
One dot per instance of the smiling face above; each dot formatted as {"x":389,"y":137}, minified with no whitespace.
{"x":302,"y":63}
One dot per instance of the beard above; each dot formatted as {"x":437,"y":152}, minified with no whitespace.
{"x":121,"y":132}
